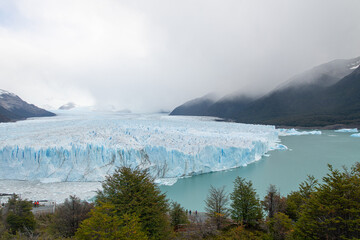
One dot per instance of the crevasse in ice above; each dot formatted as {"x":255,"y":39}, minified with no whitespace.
{"x":88,"y":147}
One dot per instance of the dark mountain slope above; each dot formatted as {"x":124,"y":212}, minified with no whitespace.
{"x":13,"y":108}
{"x":225,"y":107}
{"x":309,"y":105}
{"x":328,"y":94}
{"x":195,"y":107}
{"x":294,"y":103}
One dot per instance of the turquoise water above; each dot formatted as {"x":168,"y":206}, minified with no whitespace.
{"x":308,"y":154}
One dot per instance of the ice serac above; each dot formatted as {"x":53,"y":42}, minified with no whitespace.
{"x":87,"y":148}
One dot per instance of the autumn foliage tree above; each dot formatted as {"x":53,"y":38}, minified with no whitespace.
{"x":273,"y":202}
{"x":216,"y":206}
{"x":68,"y":216}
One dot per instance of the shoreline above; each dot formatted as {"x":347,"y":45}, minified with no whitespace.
{"x":327,"y":127}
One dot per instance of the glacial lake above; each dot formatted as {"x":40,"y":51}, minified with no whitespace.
{"x":307,"y":154}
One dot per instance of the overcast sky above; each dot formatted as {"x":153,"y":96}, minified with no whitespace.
{"x":147,"y":55}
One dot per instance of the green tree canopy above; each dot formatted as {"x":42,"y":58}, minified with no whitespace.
{"x":177,"y":215}
{"x":133,"y":192}
{"x":104,"y":223}
{"x":245,"y":206}
{"x":333,"y":210}
{"x":280,"y":226}
{"x":19,"y":216}
{"x":296,"y":199}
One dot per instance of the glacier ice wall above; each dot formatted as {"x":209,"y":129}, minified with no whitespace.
{"x":90,"y":146}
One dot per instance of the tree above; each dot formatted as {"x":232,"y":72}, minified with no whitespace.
{"x":177,"y":215}
{"x":308,"y":186}
{"x":216,"y":205}
{"x":333,"y":210}
{"x":19,"y":216}
{"x":273,"y":202}
{"x":68,"y":216}
{"x":294,"y":202}
{"x":245,"y":206}
{"x":280,"y":226}
{"x":104,"y":223}
{"x":133,"y":192}
{"x":296,"y":199}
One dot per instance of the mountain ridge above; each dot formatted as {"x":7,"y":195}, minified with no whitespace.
{"x":13,"y":108}
{"x":311,"y":98}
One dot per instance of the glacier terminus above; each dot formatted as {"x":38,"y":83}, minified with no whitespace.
{"x":88,"y":146}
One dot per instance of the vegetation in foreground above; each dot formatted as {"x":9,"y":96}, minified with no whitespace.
{"x":131,"y":206}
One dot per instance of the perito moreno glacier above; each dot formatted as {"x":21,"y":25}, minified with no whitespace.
{"x":87,"y":147}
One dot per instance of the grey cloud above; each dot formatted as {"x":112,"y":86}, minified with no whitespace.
{"x":150,"y":55}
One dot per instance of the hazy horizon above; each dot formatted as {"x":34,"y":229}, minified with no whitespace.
{"x":155,"y":55}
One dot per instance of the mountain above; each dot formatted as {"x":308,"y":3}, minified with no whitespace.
{"x":195,"y":107}
{"x":322,"y":96}
{"x":13,"y":108}
{"x":67,"y":106}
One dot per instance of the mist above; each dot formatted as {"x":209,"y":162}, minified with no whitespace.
{"x":155,"y":55}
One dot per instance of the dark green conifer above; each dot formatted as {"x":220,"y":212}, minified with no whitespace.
{"x":245,"y":206}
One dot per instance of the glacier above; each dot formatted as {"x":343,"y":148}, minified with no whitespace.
{"x":89,"y":146}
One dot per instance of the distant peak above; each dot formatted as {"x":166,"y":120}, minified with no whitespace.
{"x":6,"y":92}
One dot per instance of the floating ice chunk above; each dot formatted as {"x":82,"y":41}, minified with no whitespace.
{"x":166,"y":181}
{"x":347,"y":130}
{"x":294,"y":132}
{"x":355,"y":135}
{"x":282,"y":147}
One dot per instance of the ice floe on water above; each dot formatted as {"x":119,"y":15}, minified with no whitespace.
{"x":355,"y":135}
{"x":87,"y":147}
{"x":294,"y":132}
{"x":347,"y":130}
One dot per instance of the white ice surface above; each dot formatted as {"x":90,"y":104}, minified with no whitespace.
{"x":34,"y":190}
{"x":294,"y":132}
{"x":87,"y":147}
{"x":355,"y":135}
{"x":347,"y":130}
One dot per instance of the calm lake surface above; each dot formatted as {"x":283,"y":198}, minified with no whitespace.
{"x":307,"y":154}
